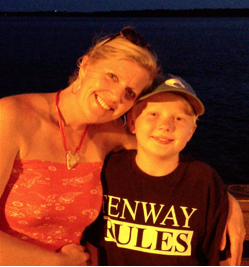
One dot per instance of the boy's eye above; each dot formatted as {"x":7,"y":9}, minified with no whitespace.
{"x":178,"y":118}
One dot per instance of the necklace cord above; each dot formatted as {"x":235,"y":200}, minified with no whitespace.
{"x":62,"y":127}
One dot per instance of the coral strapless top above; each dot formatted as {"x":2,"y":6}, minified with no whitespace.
{"x":48,"y":205}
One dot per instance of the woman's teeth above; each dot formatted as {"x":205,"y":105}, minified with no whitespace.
{"x":102,"y":103}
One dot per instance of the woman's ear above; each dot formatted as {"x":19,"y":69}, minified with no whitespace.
{"x":83,"y":66}
{"x":131,"y":123}
{"x":84,"y":61}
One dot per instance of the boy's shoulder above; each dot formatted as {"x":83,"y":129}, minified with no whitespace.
{"x":194,"y":163}
{"x":199,"y":170}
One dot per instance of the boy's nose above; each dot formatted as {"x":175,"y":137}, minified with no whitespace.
{"x":167,"y":125}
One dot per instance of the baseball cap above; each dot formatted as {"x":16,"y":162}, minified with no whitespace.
{"x":175,"y":84}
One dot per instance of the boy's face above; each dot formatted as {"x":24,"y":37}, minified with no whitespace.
{"x":163,"y":124}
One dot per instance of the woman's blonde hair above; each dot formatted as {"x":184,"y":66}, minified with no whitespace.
{"x":121,"y":48}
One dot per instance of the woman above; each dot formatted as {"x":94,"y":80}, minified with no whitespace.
{"x":53,"y":146}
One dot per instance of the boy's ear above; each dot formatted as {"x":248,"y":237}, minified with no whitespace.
{"x":130,"y":121}
{"x":192,"y":132}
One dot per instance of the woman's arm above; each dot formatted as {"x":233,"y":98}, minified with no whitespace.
{"x":94,"y":254}
{"x":14,"y":252}
{"x":235,"y":228}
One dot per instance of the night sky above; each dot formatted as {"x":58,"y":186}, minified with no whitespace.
{"x":108,"y":5}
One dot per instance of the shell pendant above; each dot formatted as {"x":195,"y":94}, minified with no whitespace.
{"x":72,"y":160}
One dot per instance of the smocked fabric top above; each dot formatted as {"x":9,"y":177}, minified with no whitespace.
{"x":48,"y":205}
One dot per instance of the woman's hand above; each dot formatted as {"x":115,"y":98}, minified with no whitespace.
{"x":74,"y":255}
{"x":236,"y":231}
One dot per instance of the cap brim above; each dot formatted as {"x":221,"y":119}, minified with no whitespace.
{"x":192,"y":99}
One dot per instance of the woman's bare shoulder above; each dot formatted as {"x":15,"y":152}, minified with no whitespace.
{"x":12,"y":107}
{"x":18,"y":109}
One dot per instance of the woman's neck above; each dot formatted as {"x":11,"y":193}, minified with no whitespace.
{"x":68,"y":110}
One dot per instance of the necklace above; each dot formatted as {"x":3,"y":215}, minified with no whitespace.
{"x":72,"y":159}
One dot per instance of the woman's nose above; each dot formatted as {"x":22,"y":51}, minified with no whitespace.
{"x":117,"y":93}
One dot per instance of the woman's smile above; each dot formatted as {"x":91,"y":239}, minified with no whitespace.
{"x":102,"y":103}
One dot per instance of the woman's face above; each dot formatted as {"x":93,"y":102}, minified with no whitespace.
{"x":109,"y":88}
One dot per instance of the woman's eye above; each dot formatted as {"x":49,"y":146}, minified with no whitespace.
{"x":131,"y":93}
{"x":153,"y":114}
{"x":112,"y":76}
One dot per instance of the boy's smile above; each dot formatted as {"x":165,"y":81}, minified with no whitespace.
{"x":163,"y":140}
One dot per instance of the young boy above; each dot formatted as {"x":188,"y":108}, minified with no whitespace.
{"x":160,"y":207}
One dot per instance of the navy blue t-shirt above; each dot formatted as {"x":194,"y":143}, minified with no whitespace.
{"x":177,"y":219}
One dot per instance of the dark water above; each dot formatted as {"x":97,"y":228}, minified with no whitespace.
{"x":212,"y":54}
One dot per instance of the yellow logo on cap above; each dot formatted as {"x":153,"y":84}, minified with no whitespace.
{"x":174,"y":83}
